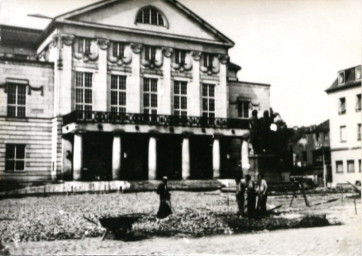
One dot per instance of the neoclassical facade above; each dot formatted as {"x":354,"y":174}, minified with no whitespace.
{"x":123,"y":90}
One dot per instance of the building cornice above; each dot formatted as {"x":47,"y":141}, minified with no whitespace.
{"x":344,"y":87}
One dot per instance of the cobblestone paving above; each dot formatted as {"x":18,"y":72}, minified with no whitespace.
{"x":334,"y":240}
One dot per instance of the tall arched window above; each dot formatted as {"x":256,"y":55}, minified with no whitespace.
{"x":151,"y":15}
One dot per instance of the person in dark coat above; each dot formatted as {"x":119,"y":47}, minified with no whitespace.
{"x":251,"y":196}
{"x":165,"y":204}
{"x":240,"y":194}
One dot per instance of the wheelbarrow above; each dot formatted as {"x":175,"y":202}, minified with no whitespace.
{"x":120,"y":225}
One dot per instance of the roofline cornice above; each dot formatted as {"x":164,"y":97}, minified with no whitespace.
{"x":344,"y":87}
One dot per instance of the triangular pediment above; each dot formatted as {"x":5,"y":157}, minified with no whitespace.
{"x":180,"y":21}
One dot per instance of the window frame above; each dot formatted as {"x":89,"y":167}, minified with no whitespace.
{"x":14,"y":158}
{"x":341,"y":129}
{"x":339,"y":162}
{"x":151,"y":15}
{"x":242,"y":103}
{"x":348,"y":165}
{"x":358,"y":103}
{"x":119,"y":93}
{"x":149,"y":53}
{"x":118,"y":49}
{"x":180,"y":56}
{"x":342,"y":106}
{"x":84,"y":45}
{"x":150,"y":92}
{"x":17,"y":96}
{"x":208,"y":98}
{"x":85,"y":91}
{"x":180,"y":96}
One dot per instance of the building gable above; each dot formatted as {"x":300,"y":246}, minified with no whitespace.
{"x":178,"y":20}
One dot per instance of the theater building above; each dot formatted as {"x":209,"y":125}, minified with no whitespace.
{"x":122,"y":90}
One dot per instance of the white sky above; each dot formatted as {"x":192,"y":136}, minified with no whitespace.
{"x":297,"y":46}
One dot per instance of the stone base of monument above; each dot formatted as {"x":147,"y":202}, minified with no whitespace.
{"x":269,"y":166}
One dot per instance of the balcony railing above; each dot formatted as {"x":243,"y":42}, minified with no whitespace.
{"x":79,"y":116}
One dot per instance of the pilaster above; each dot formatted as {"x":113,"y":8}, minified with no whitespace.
{"x":134,"y":81}
{"x":194,"y":92}
{"x":100,"y":77}
{"x":164,"y":94}
{"x":221,"y":93}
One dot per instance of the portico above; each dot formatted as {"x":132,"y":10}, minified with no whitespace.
{"x":144,"y":150}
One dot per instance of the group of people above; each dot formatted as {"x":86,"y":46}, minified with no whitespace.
{"x":256,"y":196}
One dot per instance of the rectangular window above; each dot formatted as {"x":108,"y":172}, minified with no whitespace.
{"x":16,"y":100}
{"x":339,"y":166}
{"x":350,"y":165}
{"x":342,"y":106}
{"x":207,"y":59}
{"x":359,"y":165}
{"x":150,"y":96}
{"x":180,"y":56}
{"x":83,"y":93}
{"x":343,"y":133}
{"x":180,"y":98}
{"x":117,"y":49}
{"x":208,"y":100}
{"x":358,"y":132}
{"x":358,"y":102}
{"x":84,"y":45}
{"x":243,"y":109}
{"x":149,"y":53}
{"x":118,"y":94}
{"x":14,"y":157}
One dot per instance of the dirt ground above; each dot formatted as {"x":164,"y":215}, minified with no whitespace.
{"x":342,"y":239}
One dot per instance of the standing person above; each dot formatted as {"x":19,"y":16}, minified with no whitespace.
{"x":240,"y":194}
{"x":262,"y":194}
{"x":165,"y":204}
{"x":250,"y":192}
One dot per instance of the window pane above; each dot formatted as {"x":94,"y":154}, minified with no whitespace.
{"x":146,"y":100}
{"x":177,"y":87}
{"x":211,"y":91}
{"x":122,"y":98}
{"x":339,"y":166}
{"x":176,"y":103}
{"x":88,"y":80}
{"x":212,"y":105}
{"x":114,"y":82}
{"x":79,"y":96}
{"x":113,"y":97}
{"x":204,"y":90}
{"x":204,"y":104}
{"x":154,"y":100}
{"x":20,"y":152}
{"x":184,"y":88}
{"x":10,"y":151}
{"x":21,"y":95}
{"x":9,"y":165}
{"x":154,"y":85}
{"x":114,"y":109}
{"x":11,"y":94}
{"x":350,"y":166}
{"x":11,"y":111}
{"x":88,"y":96}
{"x":183,"y":103}
{"x":146,"y":86}
{"x":79,"y":79}
{"x":122,"y":82}
{"x":21,"y":111}
{"x":19,"y":165}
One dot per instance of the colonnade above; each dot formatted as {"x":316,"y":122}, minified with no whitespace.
{"x":152,"y":156}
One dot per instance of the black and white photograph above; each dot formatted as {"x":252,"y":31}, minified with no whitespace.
{"x":180,"y":127}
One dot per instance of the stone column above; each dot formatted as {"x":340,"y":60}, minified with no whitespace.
{"x":116,"y":156}
{"x":152,"y":158}
{"x":245,"y":156}
{"x":77,"y":156}
{"x":186,"y":173}
{"x":216,"y":158}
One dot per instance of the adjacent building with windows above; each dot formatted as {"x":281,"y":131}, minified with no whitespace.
{"x":124,"y":90}
{"x":345,"y":126}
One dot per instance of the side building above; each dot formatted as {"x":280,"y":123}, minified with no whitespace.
{"x":122,"y":90}
{"x":345,"y":126}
